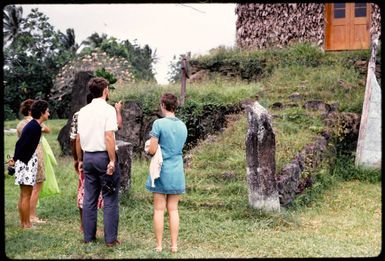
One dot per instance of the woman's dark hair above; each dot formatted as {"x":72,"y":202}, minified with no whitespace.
{"x":169,"y":101}
{"x":25,"y":106}
{"x":97,"y":85}
{"x":38,"y":108}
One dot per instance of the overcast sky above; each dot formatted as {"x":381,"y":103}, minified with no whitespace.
{"x":171,"y":29}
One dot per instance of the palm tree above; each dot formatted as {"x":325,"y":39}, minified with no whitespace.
{"x":68,"y":40}
{"x":94,"y":40}
{"x":12,"y":19}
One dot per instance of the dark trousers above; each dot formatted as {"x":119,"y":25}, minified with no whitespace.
{"x":95,"y":168}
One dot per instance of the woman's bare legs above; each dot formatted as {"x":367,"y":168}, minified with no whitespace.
{"x":173,"y":219}
{"x":34,"y":198}
{"x":24,"y":205}
{"x":159,"y":207}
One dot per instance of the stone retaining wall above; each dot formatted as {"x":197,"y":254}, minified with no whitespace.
{"x":296,"y":176}
{"x":137,"y":125}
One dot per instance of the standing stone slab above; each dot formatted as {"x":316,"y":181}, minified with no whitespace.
{"x":369,"y":151}
{"x":78,"y":100}
{"x":132,"y":117}
{"x":125,"y":158}
{"x":260,"y":157}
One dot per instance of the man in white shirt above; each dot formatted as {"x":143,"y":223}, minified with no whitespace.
{"x":97,"y":124}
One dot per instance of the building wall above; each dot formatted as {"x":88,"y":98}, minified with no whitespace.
{"x":375,"y":27}
{"x":265,"y":25}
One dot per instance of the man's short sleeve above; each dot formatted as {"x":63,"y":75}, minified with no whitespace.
{"x":155,"y":131}
{"x":111,"y":121}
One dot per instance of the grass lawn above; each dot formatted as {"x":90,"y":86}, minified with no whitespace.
{"x":338,"y":218}
{"x":215,"y":220}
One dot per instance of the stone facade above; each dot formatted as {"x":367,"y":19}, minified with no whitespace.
{"x":260,"y":26}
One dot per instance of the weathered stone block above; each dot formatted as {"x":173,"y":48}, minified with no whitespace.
{"x":260,"y":156}
{"x":277,"y":105}
{"x":132,"y":119}
{"x":125,"y":159}
{"x":288,"y":182}
{"x":295,"y":96}
{"x":317,"y":105}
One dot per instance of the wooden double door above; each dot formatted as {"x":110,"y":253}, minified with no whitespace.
{"x":347,"y":26}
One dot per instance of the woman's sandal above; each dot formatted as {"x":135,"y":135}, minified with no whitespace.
{"x":174,"y":249}
{"x":158,"y":249}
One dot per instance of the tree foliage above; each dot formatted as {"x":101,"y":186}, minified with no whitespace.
{"x":141,"y":59}
{"x":175,"y":68}
{"x":12,"y":19}
{"x":68,"y":40}
{"x":106,"y":75}
{"x":94,"y":41}
{"x":34,"y":53}
{"x":31,"y":61}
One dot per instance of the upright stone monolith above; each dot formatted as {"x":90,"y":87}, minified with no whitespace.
{"x":78,"y":100}
{"x":260,"y":156}
{"x":132,"y":117}
{"x":369,"y":150}
{"x":125,"y":159}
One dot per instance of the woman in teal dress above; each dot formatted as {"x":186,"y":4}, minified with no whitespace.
{"x":171,"y":134}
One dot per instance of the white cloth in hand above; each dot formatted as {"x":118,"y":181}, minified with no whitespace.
{"x":155,"y":164}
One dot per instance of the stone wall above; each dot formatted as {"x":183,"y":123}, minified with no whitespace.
{"x":375,"y":26}
{"x":260,"y":26}
{"x":64,"y":81}
{"x":137,"y":125}
{"x":296,"y":176}
{"x":290,"y":180}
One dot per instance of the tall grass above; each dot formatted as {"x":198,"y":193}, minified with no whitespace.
{"x":344,"y":168}
{"x":302,"y":68}
{"x":317,"y":83}
{"x":218,"y":91}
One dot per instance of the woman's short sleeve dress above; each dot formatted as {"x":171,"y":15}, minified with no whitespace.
{"x":172,"y":134}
